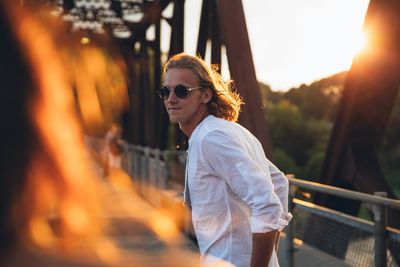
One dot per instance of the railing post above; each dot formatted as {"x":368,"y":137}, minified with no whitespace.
{"x":380,"y":232}
{"x":290,"y":231}
{"x":157,"y":155}
{"x":129,"y":159}
{"x":144,"y":171}
{"x":165,"y":171}
{"x":136,"y":163}
{"x":153,"y":168}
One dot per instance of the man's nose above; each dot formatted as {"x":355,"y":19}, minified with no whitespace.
{"x":172,"y":97}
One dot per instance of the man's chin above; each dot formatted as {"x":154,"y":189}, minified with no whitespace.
{"x":173,"y":120}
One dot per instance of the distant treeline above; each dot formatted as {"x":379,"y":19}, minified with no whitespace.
{"x":300,"y":121}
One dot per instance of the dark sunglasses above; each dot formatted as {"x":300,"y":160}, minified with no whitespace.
{"x":180,"y":91}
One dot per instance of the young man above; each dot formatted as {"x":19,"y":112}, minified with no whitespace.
{"x":237,"y":196}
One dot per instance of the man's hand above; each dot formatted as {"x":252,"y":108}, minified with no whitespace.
{"x":263,"y":245}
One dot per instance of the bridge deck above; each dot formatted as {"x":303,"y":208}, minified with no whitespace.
{"x":143,"y":234}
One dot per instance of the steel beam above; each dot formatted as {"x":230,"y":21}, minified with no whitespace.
{"x":235,"y":37}
{"x":372,"y":85}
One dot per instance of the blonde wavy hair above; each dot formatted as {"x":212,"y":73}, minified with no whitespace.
{"x":225,"y":102}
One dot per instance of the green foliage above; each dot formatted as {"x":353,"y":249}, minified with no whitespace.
{"x":287,"y":123}
{"x":300,"y":121}
{"x":312,"y":170}
{"x":297,"y":136}
{"x":284,"y":161}
{"x":268,"y":95}
{"x":318,"y":100}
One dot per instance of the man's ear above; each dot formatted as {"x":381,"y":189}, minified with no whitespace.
{"x":206,"y":96}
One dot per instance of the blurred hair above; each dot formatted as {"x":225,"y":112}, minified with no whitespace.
{"x":48,"y":194}
{"x":225,"y":103}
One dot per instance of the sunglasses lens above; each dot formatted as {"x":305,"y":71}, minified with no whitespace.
{"x":164,"y":92}
{"x":181,"y":91}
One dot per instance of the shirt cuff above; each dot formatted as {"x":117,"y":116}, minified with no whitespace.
{"x":259,"y":226}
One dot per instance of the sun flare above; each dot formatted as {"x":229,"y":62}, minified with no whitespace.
{"x":301,"y":41}
{"x":360,"y":43}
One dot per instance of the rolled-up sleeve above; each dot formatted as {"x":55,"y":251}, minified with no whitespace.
{"x":231,"y":160}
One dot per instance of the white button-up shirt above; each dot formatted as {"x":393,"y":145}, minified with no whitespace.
{"x":234,"y":191}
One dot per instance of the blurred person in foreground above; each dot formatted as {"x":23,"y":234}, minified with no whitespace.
{"x":49,"y":202}
{"x":239,"y":199}
{"x":51,"y":206}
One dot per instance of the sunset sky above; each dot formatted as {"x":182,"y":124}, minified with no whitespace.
{"x":295,"y":41}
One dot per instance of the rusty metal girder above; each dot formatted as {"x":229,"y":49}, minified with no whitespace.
{"x":368,"y":98}
{"x":373,"y":82}
{"x":235,"y":38}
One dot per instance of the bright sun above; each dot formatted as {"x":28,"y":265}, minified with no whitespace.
{"x":360,"y":42}
{"x":331,"y":39}
{"x":301,"y":41}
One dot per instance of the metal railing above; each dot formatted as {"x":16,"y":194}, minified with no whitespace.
{"x":378,"y":227}
{"x":163,"y":169}
{"x":153,"y":166}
